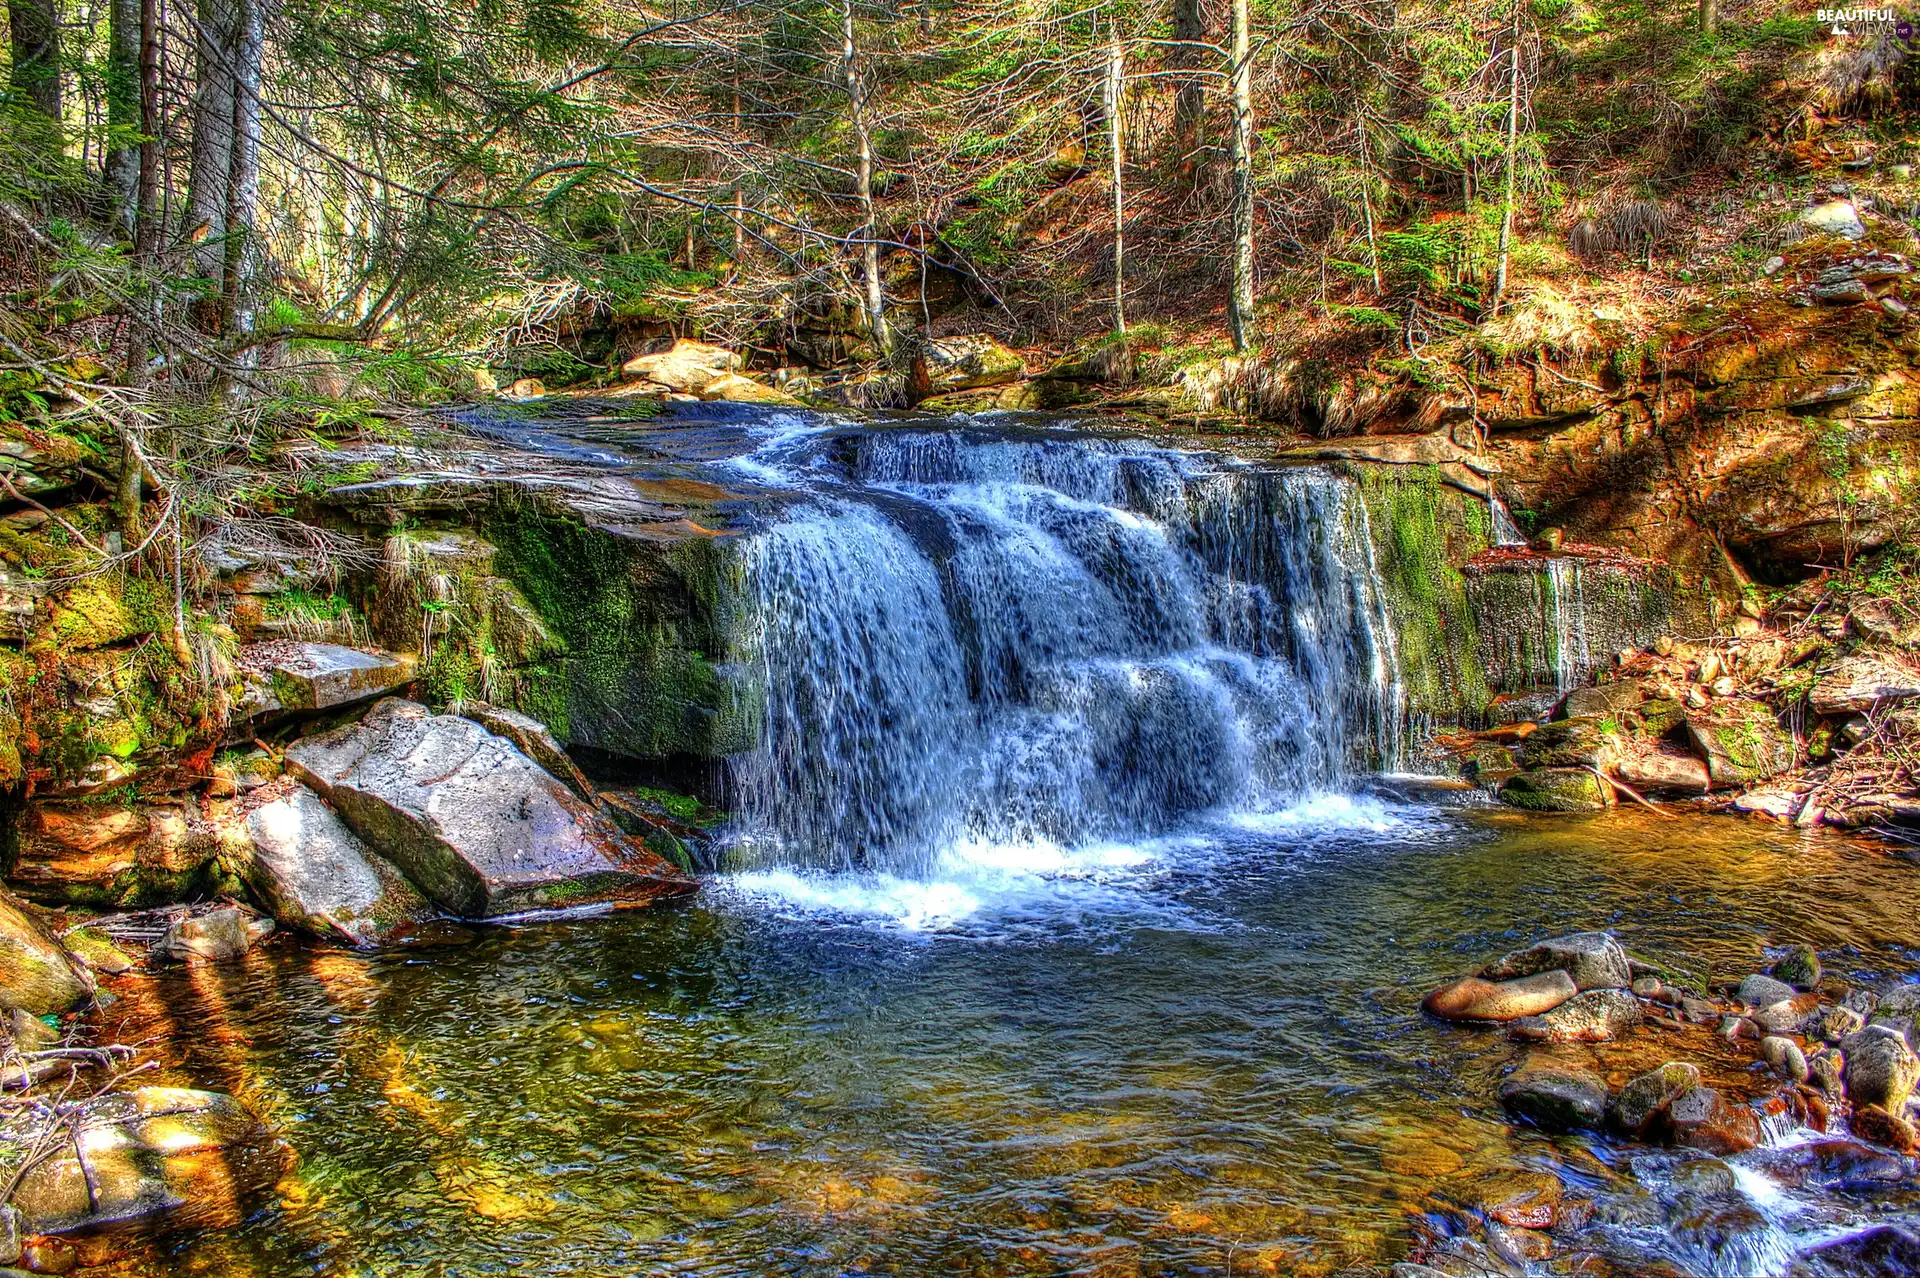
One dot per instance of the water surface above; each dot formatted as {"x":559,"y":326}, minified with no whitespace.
{"x":1198,"y":1054}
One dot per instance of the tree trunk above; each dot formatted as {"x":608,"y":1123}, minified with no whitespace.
{"x":210,"y":171}
{"x":242,"y":255}
{"x":1240,"y":301}
{"x":123,"y":79}
{"x":1190,"y":99}
{"x":1117,"y":146}
{"x":34,"y":29}
{"x":876,"y":298}
{"x":1709,"y":17}
{"x":1506,"y":197}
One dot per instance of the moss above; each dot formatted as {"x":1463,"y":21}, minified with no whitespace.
{"x":644,"y":629}
{"x":1555,"y":790}
{"x":1422,"y":531}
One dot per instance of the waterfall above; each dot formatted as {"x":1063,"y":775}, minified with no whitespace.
{"x":1505,"y":531}
{"x":1567,"y":615}
{"x":967,"y":637}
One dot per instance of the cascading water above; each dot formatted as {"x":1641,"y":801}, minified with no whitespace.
{"x":974,"y":638}
{"x":1567,"y":613}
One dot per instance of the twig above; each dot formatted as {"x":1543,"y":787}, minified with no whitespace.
{"x":1635,"y":795}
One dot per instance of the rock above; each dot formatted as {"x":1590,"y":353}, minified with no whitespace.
{"x":317,"y":876}
{"x":1603,"y":699}
{"x":1826,"y":1070}
{"x":1845,"y":293}
{"x":963,"y":363}
{"x":97,"y":950}
{"x":1800,"y":968}
{"x":1835,"y":217}
{"x":1741,"y":742}
{"x":1736,"y":1028}
{"x":1884,"y":620}
{"x":1789,"y":1016}
{"x":1592,"y":1017}
{"x":735,"y":389}
{"x":1591,"y":742}
{"x":217,"y":936}
{"x":1843,"y":1165}
{"x":1887,"y":1250}
{"x":1663,"y":772}
{"x":1860,"y":684}
{"x":1473,"y":999}
{"x":1784,"y":1057}
{"x":527,"y":388}
{"x":1646,"y":1096}
{"x":1838,"y":1022}
{"x":1894,"y":306}
{"x":1701,"y":1118}
{"x":1773,"y":266}
{"x":689,"y":367}
{"x":1556,"y":790}
{"x":1762,"y":991}
{"x":36,"y":974}
{"x":1880,"y":1069}
{"x":1554,"y":1098}
{"x":471,"y":820}
{"x":156,"y":1154}
{"x":533,"y":740}
{"x":1648,"y":987}
{"x":1594,"y":960}
{"x":289,"y":675}
{"x":1876,"y":1126}
{"x":1779,"y":802}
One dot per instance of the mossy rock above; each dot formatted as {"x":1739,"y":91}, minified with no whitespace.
{"x":639,"y":631}
{"x":1585,"y":742}
{"x":1556,"y":790}
{"x":1742,"y":743}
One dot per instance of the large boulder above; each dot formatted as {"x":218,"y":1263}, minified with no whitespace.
{"x":1594,"y":960}
{"x":1741,"y":742}
{"x":735,"y":389}
{"x":471,"y":820}
{"x":315,"y":875}
{"x":154,"y":1155}
{"x":1860,"y":684}
{"x":690,"y":367}
{"x":1556,"y":790}
{"x":1880,"y":1068}
{"x":36,"y":975}
{"x":1590,"y":741}
{"x":1473,"y":999}
{"x":1555,"y":1098}
{"x":1604,"y":699}
{"x":963,"y":363}
{"x":1592,"y":1017}
{"x":532,"y":739}
{"x":1663,"y":771}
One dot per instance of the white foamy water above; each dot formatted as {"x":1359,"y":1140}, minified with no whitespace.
{"x":977,"y":886}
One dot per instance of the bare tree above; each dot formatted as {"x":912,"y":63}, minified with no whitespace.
{"x":1240,"y":304}
{"x":1117,"y":147}
{"x":868,"y":233}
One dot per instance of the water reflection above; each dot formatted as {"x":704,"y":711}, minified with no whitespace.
{"x":1212,"y":1060}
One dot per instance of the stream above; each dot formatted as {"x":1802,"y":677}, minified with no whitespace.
{"x":1064,"y":929}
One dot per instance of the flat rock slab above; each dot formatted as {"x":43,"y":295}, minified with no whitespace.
{"x":471,"y":820}
{"x":1861,"y":684}
{"x":318,"y":876}
{"x":288,"y":675}
{"x":1594,"y":960}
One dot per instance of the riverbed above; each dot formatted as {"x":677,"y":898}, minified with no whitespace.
{"x":1196,"y":1054}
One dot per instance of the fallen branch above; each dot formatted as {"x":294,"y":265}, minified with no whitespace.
{"x":1623,"y":788}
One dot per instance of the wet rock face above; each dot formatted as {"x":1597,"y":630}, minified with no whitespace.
{"x":472,"y":821}
{"x":1473,"y":999}
{"x":318,"y":876}
{"x":1594,"y":960}
{"x":1556,"y":1099}
{"x":36,"y":974}
{"x":158,"y":1156}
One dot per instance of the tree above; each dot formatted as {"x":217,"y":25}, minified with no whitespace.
{"x":1115,"y":90}
{"x":1240,"y":303}
{"x":33,"y":27}
{"x":868,"y":233}
{"x":1512,"y":156}
{"x":124,"y":115}
{"x":1190,"y":99}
